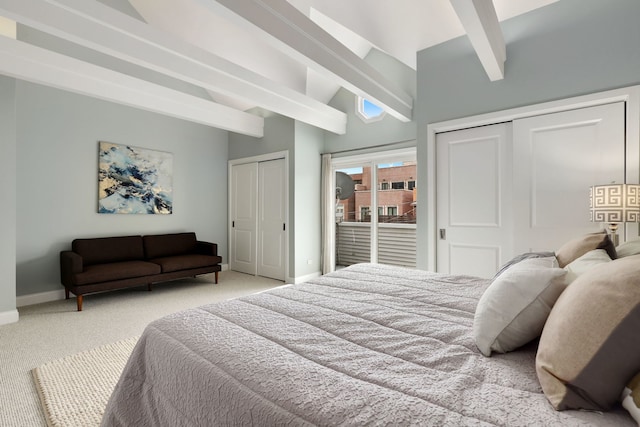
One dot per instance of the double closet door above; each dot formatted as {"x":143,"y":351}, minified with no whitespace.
{"x":522,"y":186}
{"x":258,"y":218}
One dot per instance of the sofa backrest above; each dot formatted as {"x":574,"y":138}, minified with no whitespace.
{"x":109,"y":249}
{"x":162,"y":245}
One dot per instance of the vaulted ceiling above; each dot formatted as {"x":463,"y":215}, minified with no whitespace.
{"x":247,"y":56}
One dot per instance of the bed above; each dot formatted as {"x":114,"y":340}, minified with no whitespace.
{"x":366,"y":345}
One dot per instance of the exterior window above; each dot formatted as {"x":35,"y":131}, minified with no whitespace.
{"x":368,"y":111}
{"x":380,"y":210}
{"x":365,"y":212}
{"x":411,"y":185}
{"x":339,"y":213}
{"x":392,"y":210}
{"x":398,"y":185}
{"x":384,"y":185}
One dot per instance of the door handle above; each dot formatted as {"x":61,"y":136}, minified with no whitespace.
{"x":443,"y":234}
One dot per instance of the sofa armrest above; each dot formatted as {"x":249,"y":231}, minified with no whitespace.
{"x":206,"y":248}
{"x":70,"y":264}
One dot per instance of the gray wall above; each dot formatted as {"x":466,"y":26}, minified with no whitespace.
{"x":307,"y":183}
{"x":569,"y":48}
{"x":279,"y":135}
{"x":8,"y":196}
{"x":58,"y":134}
{"x":386,"y":131}
{"x":304,"y":144}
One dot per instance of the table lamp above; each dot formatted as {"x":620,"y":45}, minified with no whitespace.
{"x":613,"y":204}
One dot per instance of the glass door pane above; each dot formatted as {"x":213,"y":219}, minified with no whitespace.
{"x":353,"y":215}
{"x":396,"y":200}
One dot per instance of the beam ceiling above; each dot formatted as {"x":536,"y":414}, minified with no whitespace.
{"x":31,"y":63}
{"x":480,"y":21}
{"x":96,"y":26}
{"x":291,"y":31}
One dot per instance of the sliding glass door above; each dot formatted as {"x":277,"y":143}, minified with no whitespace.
{"x":375,"y":208}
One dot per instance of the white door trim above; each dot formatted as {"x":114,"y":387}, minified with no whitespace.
{"x":630,"y":95}
{"x":260,"y":158}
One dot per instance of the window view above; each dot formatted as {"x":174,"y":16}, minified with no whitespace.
{"x":391,"y":188}
{"x":368,"y":111}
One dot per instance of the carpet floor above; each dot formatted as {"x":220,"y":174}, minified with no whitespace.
{"x":74,"y":390}
{"x":55,"y":330}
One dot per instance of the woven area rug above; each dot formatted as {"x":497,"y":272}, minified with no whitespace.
{"x":74,"y":390}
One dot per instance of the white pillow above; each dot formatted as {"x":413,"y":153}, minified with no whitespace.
{"x":631,"y":398}
{"x":632,"y":247}
{"x":514,"y":308}
{"x":584,"y":263}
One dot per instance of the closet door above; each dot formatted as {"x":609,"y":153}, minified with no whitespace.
{"x":474,"y":217}
{"x":272,"y":219}
{"x":244,"y":217}
{"x":557,"y":157}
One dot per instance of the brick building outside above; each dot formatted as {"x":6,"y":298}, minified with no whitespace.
{"x":396,"y":196}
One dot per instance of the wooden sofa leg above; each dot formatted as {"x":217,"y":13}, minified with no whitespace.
{"x":79,"y":302}
{"x":216,"y":277}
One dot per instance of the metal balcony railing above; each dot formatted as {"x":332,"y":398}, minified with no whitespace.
{"x":396,"y":244}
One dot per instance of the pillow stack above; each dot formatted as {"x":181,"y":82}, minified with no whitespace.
{"x":589,"y":348}
{"x":584,"y":304}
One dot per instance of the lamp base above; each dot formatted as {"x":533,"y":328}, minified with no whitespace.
{"x":613,"y":229}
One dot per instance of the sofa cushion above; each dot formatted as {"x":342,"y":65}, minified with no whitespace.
{"x":165,"y":245}
{"x":109,"y":249}
{"x":185,"y":262}
{"x":115,"y":271}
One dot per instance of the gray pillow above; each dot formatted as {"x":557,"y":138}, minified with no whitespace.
{"x":522,"y":257}
{"x":513,"y":309}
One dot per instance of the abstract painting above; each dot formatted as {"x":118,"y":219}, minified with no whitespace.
{"x":134,"y":180}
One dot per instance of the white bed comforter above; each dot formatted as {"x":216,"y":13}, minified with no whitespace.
{"x":367,"y":345}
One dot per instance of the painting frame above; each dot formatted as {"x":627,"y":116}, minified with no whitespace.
{"x":134,"y":180}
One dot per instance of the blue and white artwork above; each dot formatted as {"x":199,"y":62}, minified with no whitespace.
{"x":134,"y":180}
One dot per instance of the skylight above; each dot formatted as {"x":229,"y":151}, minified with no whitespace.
{"x":368,"y":111}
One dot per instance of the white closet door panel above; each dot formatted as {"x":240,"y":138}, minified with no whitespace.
{"x":272,"y":219}
{"x":557,"y":157}
{"x":474,"y":171}
{"x":474,"y":260}
{"x":244,"y":217}
{"x":473,"y":200}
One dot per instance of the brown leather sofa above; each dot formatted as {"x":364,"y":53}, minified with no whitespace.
{"x":108,"y":263}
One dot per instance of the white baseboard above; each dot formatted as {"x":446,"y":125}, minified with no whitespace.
{"x":306,"y":277}
{"x":10,"y":316}
{"x":40,"y":297}
{"x":224,"y":267}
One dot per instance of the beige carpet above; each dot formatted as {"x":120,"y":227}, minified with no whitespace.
{"x":74,"y":390}
{"x":55,"y":330}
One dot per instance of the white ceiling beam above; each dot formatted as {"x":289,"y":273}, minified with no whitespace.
{"x":31,"y":63}
{"x":99,"y":27}
{"x":480,"y":21}
{"x":289,"y":30}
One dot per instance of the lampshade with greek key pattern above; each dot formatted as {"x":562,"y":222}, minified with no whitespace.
{"x":615,"y":203}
